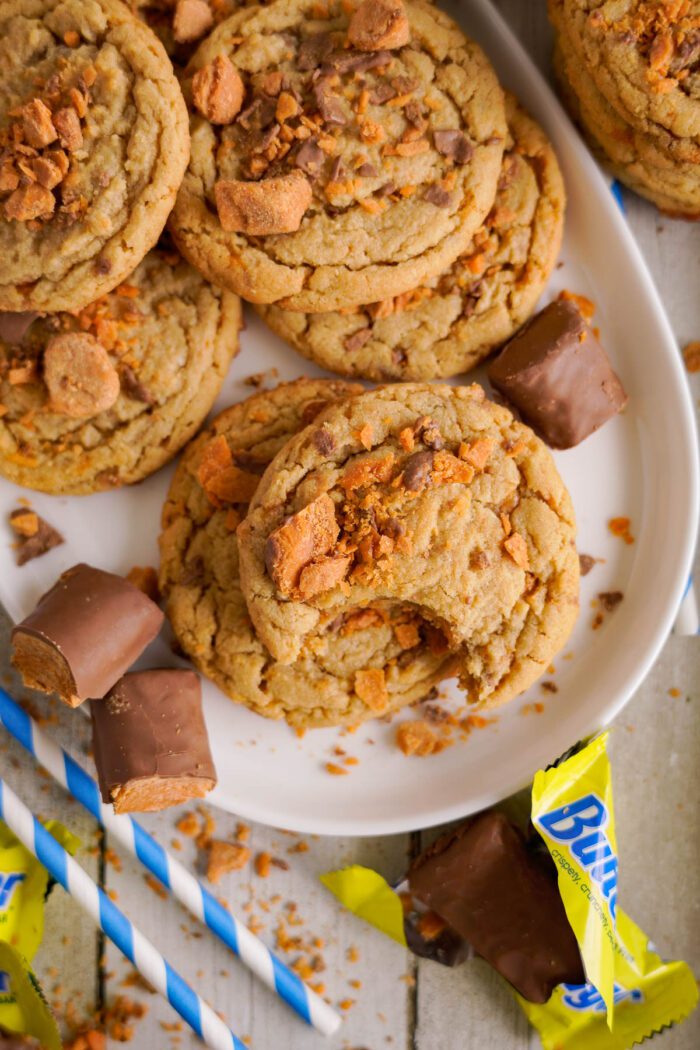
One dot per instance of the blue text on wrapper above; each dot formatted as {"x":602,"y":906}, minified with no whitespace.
{"x":580,"y":825}
{"x":587,"y":997}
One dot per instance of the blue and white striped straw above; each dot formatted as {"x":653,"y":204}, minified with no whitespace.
{"x":169,"y":871}
{"x":144,"y":955}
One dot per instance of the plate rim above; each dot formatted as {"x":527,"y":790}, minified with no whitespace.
{"x":688,"y":436}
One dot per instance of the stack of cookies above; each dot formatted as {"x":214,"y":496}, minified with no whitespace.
{"x":357,"y":174}
{"x":112,"y":349}
{"x":328,"y":554}
{"x":629,"y":74}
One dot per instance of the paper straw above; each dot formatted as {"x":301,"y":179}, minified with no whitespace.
{"x":169,"y":871}
{"x":114,"y":923}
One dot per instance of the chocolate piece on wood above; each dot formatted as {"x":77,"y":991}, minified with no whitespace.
{"x":84,"y":634}
{"x":502,"y":897}
{"x":558,"y":376}
{"x":150,"y":741}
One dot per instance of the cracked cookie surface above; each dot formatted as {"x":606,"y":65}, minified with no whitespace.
{"x":634,"y":157}
{"x":644,"y":57}
{"x":449,"y":324}
{"x":93,"y":146}
{"x":428,"y":498}
{"x":395,"y":156}
{"x":199,"y":576}
{"x":105,"y":396}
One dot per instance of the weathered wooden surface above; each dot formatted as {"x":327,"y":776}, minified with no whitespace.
{"x":401,"y":1004}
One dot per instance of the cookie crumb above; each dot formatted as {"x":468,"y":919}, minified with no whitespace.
{"x":416,"y":738}
{"x":691,"y":356}
{"x":225,"y":857}
{"x":35,"y":535}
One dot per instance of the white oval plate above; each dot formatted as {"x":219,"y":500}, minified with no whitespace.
{"x":643,"y":465}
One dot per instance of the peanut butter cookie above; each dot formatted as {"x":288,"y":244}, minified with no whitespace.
{"x":428,"y":499}
{"x":633,"y":157}
{"x":644,"y":57}
{"x":106,"y":395}
{"x":449,"y":324}
{"x":215,"y":480}
{"x":339,"y":156}
{"x":93,"y":147}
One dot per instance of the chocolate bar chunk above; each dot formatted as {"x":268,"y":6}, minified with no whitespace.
{"x":429,"y":936}
{"x":84,"y":634}
{"x":502,"y":898}
{"x":150,"y":741}
{"x":556,"y":373}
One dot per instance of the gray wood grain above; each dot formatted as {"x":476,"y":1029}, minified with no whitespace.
{"x":656,"y":756}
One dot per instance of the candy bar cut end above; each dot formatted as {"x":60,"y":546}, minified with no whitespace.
{"x":152,"y":794}
{"x":84,"y":633}
{"x":150,"y":741}
{"x":43,"y":667}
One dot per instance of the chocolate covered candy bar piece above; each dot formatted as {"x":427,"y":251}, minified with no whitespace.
{"x":502,"y":898}
{"x":429,"y":936}
{"x":150,"y":741}
{"x":556,"y":373}
{"x":84,"y":634}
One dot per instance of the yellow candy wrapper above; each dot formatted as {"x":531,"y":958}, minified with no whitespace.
{"x":24,"y":883}
{"x":631,"y":993}
{"x":35,"y":1017}
{"x":369,"y":896}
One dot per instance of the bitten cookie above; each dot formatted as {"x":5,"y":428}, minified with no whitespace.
{"x":339,"y":157}
{"x":199,"y":576}
{"x":428,"y":498}
{"x":105,"y":396}
{"x":93,"y":146}
{"x":449,"y":324}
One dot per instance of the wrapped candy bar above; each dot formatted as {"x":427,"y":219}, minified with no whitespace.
{"x":24,"y":884}
{"x":34,"y":1026}
{"x":540,"y":906}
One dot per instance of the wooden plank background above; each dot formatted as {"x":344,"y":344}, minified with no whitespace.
{"x":391,"y":1000}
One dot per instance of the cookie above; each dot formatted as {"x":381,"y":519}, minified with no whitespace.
{"x":199,"y":577}
{"x":632,"y":156}
{"x":181,"y":25}
{"x":643,"y":57}
{"x":93,"y":146}
{"x":324,"y":176}
{"x":429,"y":499}
{"x":453,"y":321}
{"x":105,"y":396}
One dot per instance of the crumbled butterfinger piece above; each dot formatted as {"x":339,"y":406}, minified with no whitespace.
{"x":407,"y":635}
{"x":37,"y":126}
{"x":263,"y":862}
{"x":225,"y":857}
{"x":218,"y":91}
{"x":274,"y":205}
{"x":146,"y":579}
{"x":70,"y":133}
{"x":517,"y":548}
{"x":477,"y":453}
{"x":379,"y":24}
{"x":192,"y":19}
{"x":691,"y":356}
{"x":370,"y":686}
{"x":79,"y":375}
{"x":35,"y":536}
{"x":223,"y":482}
{"x":622,"y":527}
{"x":323,"y":574}
{"x":306,"y":537}
{"x":30,"y":202}
{"x":416,"y":738}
